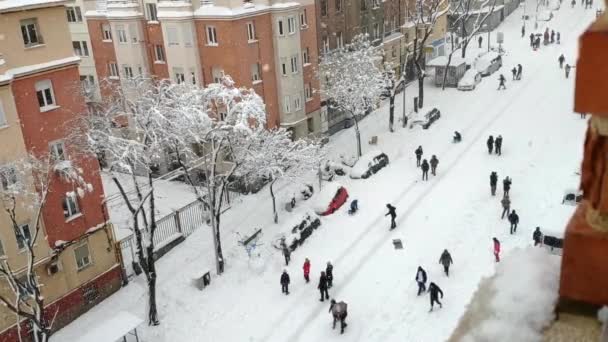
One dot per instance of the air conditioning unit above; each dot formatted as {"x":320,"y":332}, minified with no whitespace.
{"x":54,"y":266}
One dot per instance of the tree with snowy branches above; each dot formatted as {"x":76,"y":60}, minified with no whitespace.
{"x":353,"y":79}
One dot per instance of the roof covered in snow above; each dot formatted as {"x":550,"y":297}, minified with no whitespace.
{"x":212,"y":11}
{"x":117,"y":326}
{"x":443,"y":60}
{"x":20,"y":5}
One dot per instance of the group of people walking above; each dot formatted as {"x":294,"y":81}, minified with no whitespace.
{"x":434,"y":291}
{"x":425,"y":165}
{"x":516,"y":71}
{"x":494,"y":145}
{"x":561,"y":60}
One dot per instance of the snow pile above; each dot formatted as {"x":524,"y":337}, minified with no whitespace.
{"x":326,"y":196}
{"x":484,"y":61}
{"x":364,"y":163}
{"x":525,"y":292}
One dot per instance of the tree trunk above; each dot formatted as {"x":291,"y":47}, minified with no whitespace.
{"x":420,"y":90}
{"x":218,"y":245}
{"x":445,"y":71}
{"x":391,"y":113}
{"x":274,"y":203}
{"x":357,"y":135}
{"x":151,"y":274}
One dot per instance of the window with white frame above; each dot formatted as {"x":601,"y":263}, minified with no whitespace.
{"x":140,"y":70}
{"x":172,"y":39}
{"x":113,"y":69}
{"x":30,"y":32}
{"x":306,"y":56}
{"x":323,"y":8}
{"x":255,"y":72}
{"x":211,"y":36}
{"x":187,"y":33}
{"x":325,"y":44}
{"x":280,"y":27}
{"x":3,"y":121}
{"x":338,"y":6}
{"x":24,"y":236}
{"x":250,"y":31}
{"x":376,"y":31}
{"x":297,"y":103}
{"x":222,"y":114}
{"x":287,"y":104}
{"x":375,"y":3}
{"x":133,"y":33}
{"x":294,"y":64}
{"x":127,"y":70}
{"x":87,"y":82}
{"x":70,"y":205}
{"x":192,"y":75}
{"x":217,"y":74}
{"x":8,"y":176}
{"x":122,"y":34}
{"x":178,"y":75}
{"x":57,"y":149}
{"x":291,"y":25}
{"x":151,"y":12}
{"x":308,"y":91}
{"x":283,"y":67}
{"x":363,"y":5}
{"x":45,"y":94}
{"x":339,"y":40}
{"x":303,"y":19}
{"x":159,"y":53}
{"x":81,"y":48}
{"x":74,"y":14}
{"x":106,"y":32}
{"x":82,"y":255}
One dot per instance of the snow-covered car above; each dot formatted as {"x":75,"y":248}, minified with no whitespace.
{"x":331,"y":197}
{"x":301,"y":227}
{"x":545,"y":15}
{"x":369,"y":164}
{"x":427,"y":120}
{"x":488,"y":63}
{"x":469,"y":80}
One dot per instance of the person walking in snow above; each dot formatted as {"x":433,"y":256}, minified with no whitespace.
{"x":306,"y":269}
{"x":573,"y":3}
{"x":537,"y":42}
{"x":506,"y":207}
{"x":514,"y":220}
{"x":493,"y":182}
{"x":446,"y":260}
{"x":558,"y":37}
{"x":393,"y":213}
{"x":490,"y":143}
{"x":532,"y":39}
{"x":435,"y":291}
{"x":523,"y":30}
{"x":323,"y":286}
{"x":285,"y":282}
{"x":339,"y":311}
{"x":480,"y":40}
{"x":514,"y":72}
{"x":498,"y":145}
{"x":425,"y":170}
{"x":519,"y":71}
{"x":552,"y":36}
{"x":421,"y":280}
{"x":506,"y":186}
{"x":502,"y":81}
{"x":561,"y":59}
{"x":418,"y":153}
{"x":434,"y":163}
{"x":567,"y":69}
{"x":537,"y":236}
{"x":496,"y":249}
{"x":286,"y":252}
{"x":329,"y":273}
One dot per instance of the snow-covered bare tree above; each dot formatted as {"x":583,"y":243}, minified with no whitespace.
{"x":353,"y":79}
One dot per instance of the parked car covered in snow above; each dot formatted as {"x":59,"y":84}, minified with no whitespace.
{"x":368,"y":164}
{"x":331,"y":197}
{"x":488,"y":63}
{"x":469,"y":80}
{"x":572,"y":197}
{"x":427,"y":120}
{"x":301,"y":228}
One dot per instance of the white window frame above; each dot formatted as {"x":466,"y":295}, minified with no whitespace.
{"x":172,"y":36}
{"x":3,"y":120}
{"x":113,"y":70}
{"x":151,"y":11}
{"x":325,"y":44}
{"x":339,"y":40}
{"x":8,"y":177}
{"x":178,"y":75}
{"x":85,"y":261}
{"x":251,"y":32}
{"x":280,"y":27}
{"x":187,"y":35}
{"x":71,"y":208}
{"x":127,"y":70}
{"x":287,"y":104}
{"x":159,"y":53}
{"x":211,"y":35}
{"x":32,"y":30}
{"x":297,"y":103}
{"x":122,"y":34}
{"x":339,"y":7}
{"x":308,"y":91}
{"x":87,"y":82}
{"x":283,"y":67}
{"x":306,"y":56}
{"x":294,"y":64}
{"x":255,"y":72}
{"x":74,"y":14}
{"x":23,"y":240}
{"x":57,"y":150}
{"x":133,"y":33}
{"x":192,"y":75}
{"x":375,"y":3}
{"x":81,"y":48}
{"x":49,"y":100}
{"x":106,"y":31}
{"x":303,"y":19}
{"x":217,"y":74}
{"x":291,"y":25}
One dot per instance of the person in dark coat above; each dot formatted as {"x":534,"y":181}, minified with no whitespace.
{"x":446,"y":260}
{"x":567,"y":69}
{"x":425,"y":170}
{"x":339,"y":311}
{"x":323,"y":287}
{"x":480,"y":40}
{"x":434,"y":163}
{"x":435,"y":291}
{"x":285,"y":282}
{"x":514,"y":220}
{"x":519,"y":71}
{"x":418,"y":153}
{"x":537,"y":42}
{"x":506,"y":206}
{"x":490,"y":143}
{"x":496,"y":249}
{"x":532,"y":39}
{"x":552,"y":36}
{"x":498,"y":145}
{"x":493,"y":182}
{"x":558,"y":38}
{"x":561,"y":60}
{"x":286,"y":254}
{"x":393,"y":213}
{"x":523,"y":30}
{"x":514,"y":72}
{"x":421,"y":280}
{"x":537,"y":236}
{"x":506,"y":186}
{"x":457,"y":137}
{"x":502,"y":80}
{"x":306,"y":269}
{"x":329,"y":273}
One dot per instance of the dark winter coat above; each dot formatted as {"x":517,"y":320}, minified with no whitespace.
{"x":284,"y":278}
{"x":435,"y":291}
{"x":493,"y":178}
{"x":561,"y":59}
{"x":422,"y":273}
{"x":418,"y":152}
{"x":537,"y":236}
{"x":513,"y":218}
{"x":498,"y":142}
{"x":506,"y":202}
{"x":506,"y":184}
{"x":434,"y":162}
{"x":425,"y":166}
{"x":519,"y":69}
{"x":391,"y":211}
{"x":286,"y":251}
{"x":445,"y":259}
{"x":490,"y":141}
{"x":322,"y":282}
{"x":329,"y":271}
{"x":339,"y":309}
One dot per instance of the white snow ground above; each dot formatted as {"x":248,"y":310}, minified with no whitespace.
{"x":542,"y":151}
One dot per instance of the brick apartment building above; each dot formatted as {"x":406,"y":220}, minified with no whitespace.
{"x":39,"y":96}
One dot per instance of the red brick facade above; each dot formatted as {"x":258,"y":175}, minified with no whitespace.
{"x":104,"y":53}
{"x":308,"y":37}
{"x":154,"y":36}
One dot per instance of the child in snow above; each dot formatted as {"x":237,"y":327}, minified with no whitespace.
{"x":537,"y":236}
{"x":393,"y":213}
{"x":306,"y":269}
{"x":502,"y":81}
{"x":496,"y":249}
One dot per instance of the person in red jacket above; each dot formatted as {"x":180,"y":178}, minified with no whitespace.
{"x":306,"y":268}
{"x":496,"y":249}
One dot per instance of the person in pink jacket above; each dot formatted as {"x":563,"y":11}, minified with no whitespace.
{"x":306,"y":269}
{"x":496,"y":249}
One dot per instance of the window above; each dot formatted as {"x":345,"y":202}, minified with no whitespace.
{"x":294,"y":64}
{"x":306,"y":56}
{"x":24,"y":236}
{"x":128,"y":71}
{"x":2,"y":116}
{"x":286,"y":104}
{"x":122,"y":34}
{"x":81,"y":48}
{"x":325,"y":44}
{"x":308,"y":91}
{"x":283,"y":67}
{"x":179,"y":76}
{"x":70,"y":205}
{"x":172,"y":36}
{"x":339,"y":40}
{"x":82,"y":255}
{"x":30,"y":32}
{"x":159,"y":53}
{"x":311,"y":125}
{"x":303,"y":19}
{"x":187,"y":33}
{"x":133,"y":33}
{"x":255,"y":72}
{"x":151,"y":12}
{"x":363,"y":5}
{"x":222,"y":114}
{"x":113,"y":69}
{"x":87,"y":82}
{"x":217,"y":74}
{"x":375,"y":3}
{"x":338,"y":5}
{"x":376,"y":31}
{"x":44,"y":93}
{"x":291,"y":25}
{"x":140,"y":70}
{"x":297,"y":103}
{"x":211,"y":35}
{"x":192,"y":75}
{"x":250,"y":32}
{"x":8,"y":176}
{"x":323,"y":8}
{"x":74,"y":14}
{"x":106,"y":31}
{"x":280,"y":25}
{"x":57,"y":149}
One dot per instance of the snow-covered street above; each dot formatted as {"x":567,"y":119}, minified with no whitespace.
{"x":454,"y":210}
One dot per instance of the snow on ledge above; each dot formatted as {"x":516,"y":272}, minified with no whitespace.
{"x":19,"y":5}
{"x":34,"y":68}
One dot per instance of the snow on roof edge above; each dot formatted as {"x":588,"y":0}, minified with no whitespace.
{"x":20,"y":5}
